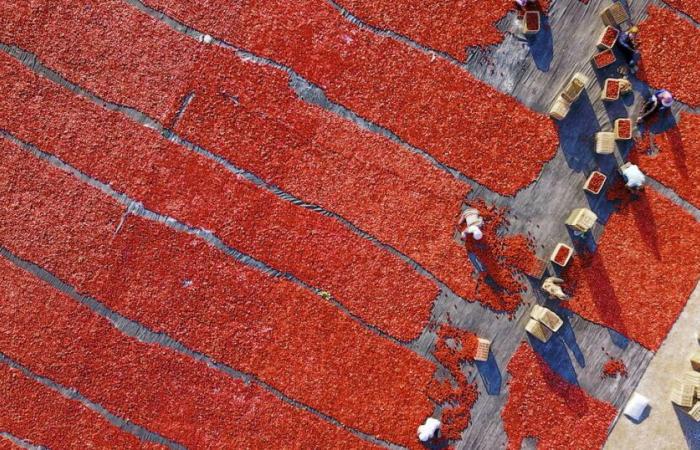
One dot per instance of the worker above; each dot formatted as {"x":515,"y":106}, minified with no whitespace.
{"x":526,"y":5}
{"x":552,"y":287}
{"x":634,"y":178}
{"x":659,"y":102}
{"x":429,"y":430}
{"x":472,"y":221}
{"x":627,"y":43}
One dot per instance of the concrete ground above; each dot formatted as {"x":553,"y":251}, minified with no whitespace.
{"x":667,"y":426}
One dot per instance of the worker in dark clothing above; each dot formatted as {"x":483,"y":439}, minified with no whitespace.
{"x":659,"y":102}
{"x":627,"y":43}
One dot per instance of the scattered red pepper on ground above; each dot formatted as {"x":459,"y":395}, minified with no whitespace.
{"x":502,"y":258}
{"x":427,"y":101}
{"x":455,"y":346}
{"x":236,"y":314}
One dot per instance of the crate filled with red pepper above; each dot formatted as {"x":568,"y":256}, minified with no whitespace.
{"x":531,"y":22}
{"x":608,"y":37}
{"x":603,"y":59}
{"x":623,"y":129}
{"x":562,"y":254}
{"x":595,"y":182}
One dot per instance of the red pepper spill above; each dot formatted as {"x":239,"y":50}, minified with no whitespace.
{"x":167,"y":392}
{"x":454,"y":347}
{"x":669,"y":46}
{"x":544,"y":406}
{"x":614,"y":367}
{"x":265,"y":326}
{"x":502,"y":257}
{"x":677,"y":163}
{"x":645,"y":267}
{"x":427,"y":101}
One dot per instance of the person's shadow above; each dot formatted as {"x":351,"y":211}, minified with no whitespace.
{"x":691,"y":428}
{"x":490,"y":374}
{"x":542,"y":45}
{"x":576,"y":134}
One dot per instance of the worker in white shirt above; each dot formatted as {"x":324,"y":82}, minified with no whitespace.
{"x":634,"y":178}
{"x":429,"y":430}
{"x":552,"y":287}
{"x":471,"y":221}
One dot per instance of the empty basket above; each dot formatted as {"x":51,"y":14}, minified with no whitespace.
{"x":547,"y":317}
{"x":573,"y":89}
{"x":482,"y":350}
{"x":605,"y":142}
{"x":560,"y":108}
{"x":614,"y":15}
{"x":682,"y":393}
{"x":538,"y":330}
{"x":581,"y":219}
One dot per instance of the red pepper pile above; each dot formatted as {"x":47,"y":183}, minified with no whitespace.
{"x":614,"y":367}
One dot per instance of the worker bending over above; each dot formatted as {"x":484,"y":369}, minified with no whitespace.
{"x":471,"y":221}
{"x":627,"y":43}
{"x":659,"y":102}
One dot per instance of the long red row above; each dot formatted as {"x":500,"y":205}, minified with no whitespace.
{"x":169,"y":179}
{"x":44,"y":417}
{"x":173,"y":395}
{"x":427,"y":101}
{"x":450,"y":25}
{"x":176,"y":283}
{"x":249,"y":114}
